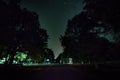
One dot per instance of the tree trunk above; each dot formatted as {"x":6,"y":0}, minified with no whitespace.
{"x":11,"y":59}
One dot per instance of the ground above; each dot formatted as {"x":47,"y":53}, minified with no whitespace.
{"x":60,"y":72}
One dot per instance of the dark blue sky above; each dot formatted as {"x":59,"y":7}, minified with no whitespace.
{"x":53,"y":16}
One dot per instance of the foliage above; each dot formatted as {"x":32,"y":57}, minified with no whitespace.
{"x":107,"y":12}
{"x":86,"y":34}
{"x":20,"y":30}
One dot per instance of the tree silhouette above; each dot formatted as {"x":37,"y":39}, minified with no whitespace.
{"x":49,"y":55}
{"x":85,"y":38}
{"x":20,"y":30}
{"x":105,"y":11}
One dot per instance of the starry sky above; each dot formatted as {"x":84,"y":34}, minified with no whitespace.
{"x":53,"y":16}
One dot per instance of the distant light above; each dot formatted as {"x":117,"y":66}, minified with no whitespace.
{"x":15,"y":62}
{"x":47,"y":60}
{"x":2,"y":60}
{"x":70,"y":61}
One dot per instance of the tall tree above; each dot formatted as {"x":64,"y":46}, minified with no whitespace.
{"x":106,"y":12}
{"x":20,"y":30}
{"x":86,"y":33}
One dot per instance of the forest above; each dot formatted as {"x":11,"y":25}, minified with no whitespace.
{"x":92,"y":36}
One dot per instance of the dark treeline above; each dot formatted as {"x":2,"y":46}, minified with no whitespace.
{"x":93,"y":35}
{"x":20,"y":31}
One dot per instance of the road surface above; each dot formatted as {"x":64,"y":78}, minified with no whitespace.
{"x":59,"y":72}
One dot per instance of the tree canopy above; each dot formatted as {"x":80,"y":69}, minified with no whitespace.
{"x":86,"y":33}
{"x":20,"y":30}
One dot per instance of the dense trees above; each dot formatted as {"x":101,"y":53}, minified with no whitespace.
{"x":86,"y":39}
{"x":20,"y":31}
{"x":105,"y":11}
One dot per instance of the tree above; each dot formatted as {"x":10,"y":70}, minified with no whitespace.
{"x":85,"y":36}
{"x":49,"y":54}
{"x":87,"y":33}
{"x":20,"y":30}
{"x":107,"y":12}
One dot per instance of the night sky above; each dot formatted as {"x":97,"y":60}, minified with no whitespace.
{"x":53,"y":16}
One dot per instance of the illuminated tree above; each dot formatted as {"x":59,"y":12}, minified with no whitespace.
{"x":20,"y":57}
{"x":20,"y":30}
